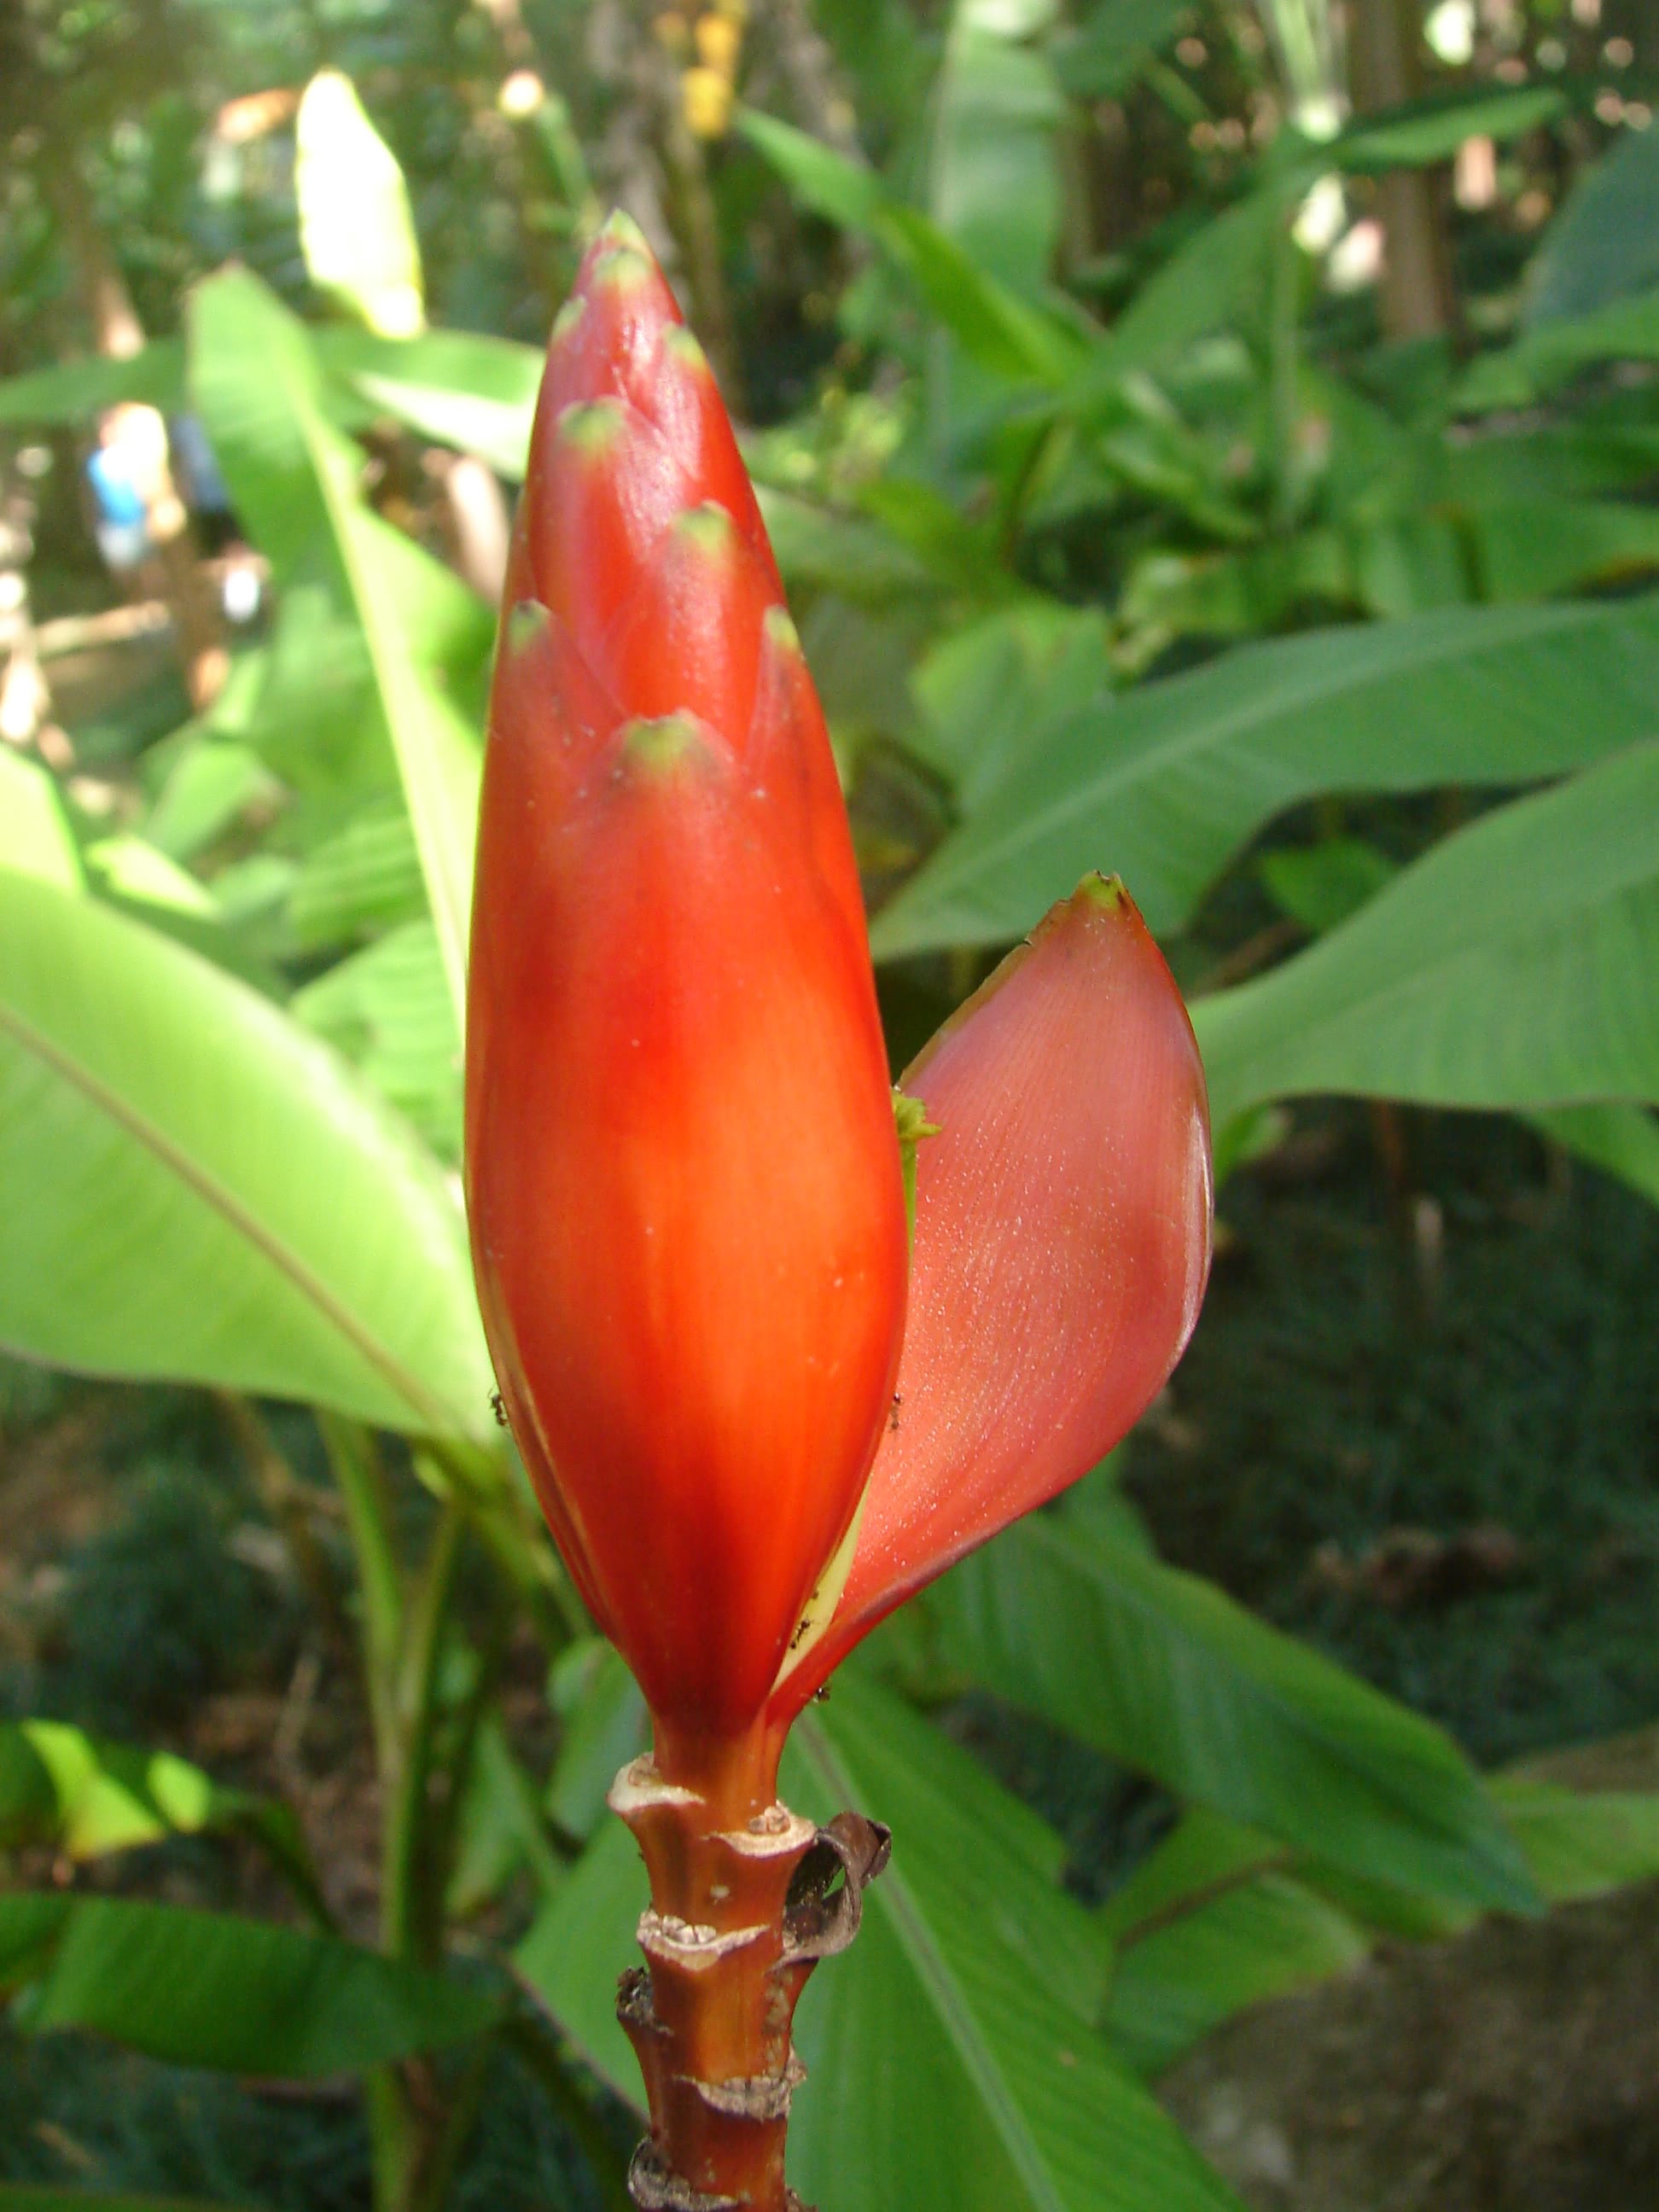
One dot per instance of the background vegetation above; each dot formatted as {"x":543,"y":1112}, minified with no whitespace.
{"x":1211,"y":441}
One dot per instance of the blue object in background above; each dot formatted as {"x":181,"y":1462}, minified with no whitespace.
{"x":122,"y":524}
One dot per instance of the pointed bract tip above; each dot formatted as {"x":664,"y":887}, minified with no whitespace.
{"x":779,"y":629}
{"x":1104,"y":891}
{"x":619,"y":230}
{"x":567,"y":318}
{"x":659,"y":744}
{"x":682,"y":343}
{"x":591,"y":427}
{"x":525,"y":623}
{"x":708,"y":526}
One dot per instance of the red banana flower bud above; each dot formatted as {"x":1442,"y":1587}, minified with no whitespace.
{"x":683,"y":1179}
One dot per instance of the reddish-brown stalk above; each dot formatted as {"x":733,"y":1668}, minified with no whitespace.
{"x":731,"y":1935}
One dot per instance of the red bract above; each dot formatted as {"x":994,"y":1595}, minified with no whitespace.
{"x":1062,"y":1243}
{"x":683,"y":1176}
{"x":683,"y":1183}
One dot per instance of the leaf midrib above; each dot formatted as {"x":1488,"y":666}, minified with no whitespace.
{"x":956,"y":2015}
{"x":213,"y":1194}
{"x":1176,"y":746}
{"x":1331,"y":1742}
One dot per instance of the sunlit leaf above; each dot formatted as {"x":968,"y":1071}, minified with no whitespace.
{"x":355,"y":229}
{"x":259,"y":382}
{"x":387,"y":1009}
{"x":81,"y":1796}
{"x":197,"y":1188}
{"x":35,"y":837}
{"x":77,"y":392}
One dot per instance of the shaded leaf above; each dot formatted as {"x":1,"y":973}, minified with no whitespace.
{"x":1621,"y":1141}
{"x":994,"y":326}
{"x":1167,"y":786}
{"x":605,"y":1725}
{"x":975,"y":1964}
{"x":1432,"y":130}
{"x":1161,"y":1671}
{"x":1604,"y":244}
{"x":1552,"y":353}
{"x":1512,"y":965}
{"x":213,"y":1988}
{"x":972,"y":1962}
{"x":29,"y":2196}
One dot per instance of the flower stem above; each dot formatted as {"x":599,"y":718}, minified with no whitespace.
{"x":710,"y":2021}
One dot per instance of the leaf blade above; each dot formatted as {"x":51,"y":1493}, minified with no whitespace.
{"x":1166,"y":786}
{"x":1160,"y":1670}
{"x":1512,"y":965}
{"x":204,"y":1192}
{"x":217,"y":1989}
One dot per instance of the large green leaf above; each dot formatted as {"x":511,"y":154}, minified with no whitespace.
{"x":1206,"y":281}
{"x":578,"y":1945}
{"x":1514,"y":964}
{"x":1604,"y":244}
{"x":985,"y":686}
{"x":1398,"y":564}
{"x":1432,"y":130}
{"x":1218,"y":1917}
{"x":994,"y":182}
{"x":1167,"y":786}
{"x":211,"y":783}
{"x":1205,"y":1927}
{"x":27,"y":2196}
{"x":1263,"y":1939}
{"x":213,"y":1988}
{"x":1162,"y":1671}
{"x":1581,"y":1844}
{"x":197,"y":1188}
{"x":957,"y":2028}
{"x":602,"y":1725}
{"x":362,"y":881}
{"x":974,"y":1984}
{"x":1113,"y":44}
{"x":260,"y":386}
